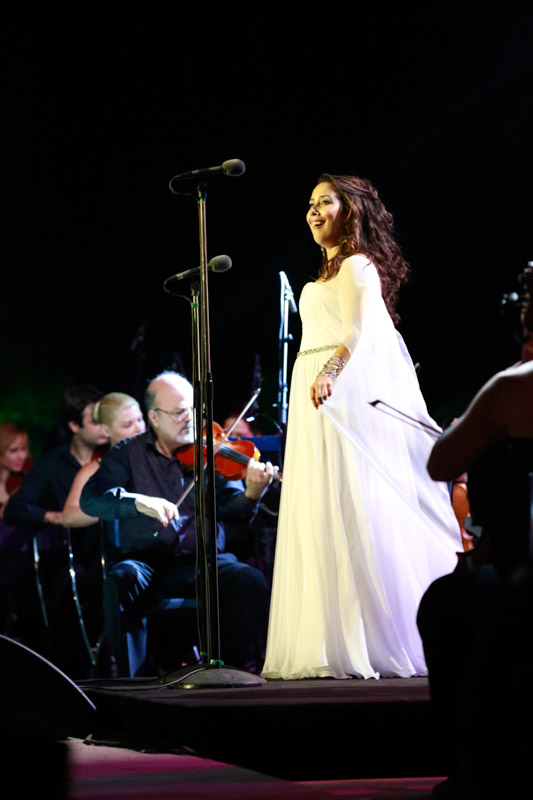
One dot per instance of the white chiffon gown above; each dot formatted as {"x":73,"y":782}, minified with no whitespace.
{"x":363,"y":530}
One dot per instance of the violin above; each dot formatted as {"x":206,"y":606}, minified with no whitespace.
{"x":231,"y":456}
{"x":461,"y":508}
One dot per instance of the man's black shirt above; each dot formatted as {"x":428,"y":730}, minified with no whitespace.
{"x":135,"y":466}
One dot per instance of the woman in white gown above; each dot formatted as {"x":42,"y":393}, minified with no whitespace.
{"x":362,"y":529}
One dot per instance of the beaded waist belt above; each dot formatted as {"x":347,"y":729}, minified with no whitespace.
{"x":317,"y":350}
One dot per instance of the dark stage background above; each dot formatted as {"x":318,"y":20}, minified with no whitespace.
{"x":433,"y":106}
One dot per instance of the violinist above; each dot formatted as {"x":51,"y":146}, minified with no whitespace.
{"x":154,"y":555}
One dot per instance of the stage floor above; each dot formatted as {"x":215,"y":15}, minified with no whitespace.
{"x":297,"y":730}
{"x":106,"y":772}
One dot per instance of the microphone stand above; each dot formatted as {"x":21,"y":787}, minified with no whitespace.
{"x":287,"y":303}
{"x":211,"y":673}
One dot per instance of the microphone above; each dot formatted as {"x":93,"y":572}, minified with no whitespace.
{"x":233,"y":167}
{"x":287,"y":292}
{"x":217,"y":264}
{"x":512,"y":297}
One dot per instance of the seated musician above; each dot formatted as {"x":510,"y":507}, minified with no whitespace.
{"x":153,"y":548}
{"x":476,"y":623}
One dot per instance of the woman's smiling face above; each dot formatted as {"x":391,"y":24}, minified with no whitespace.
{"x":326,"y":216}
{"x":15,"y":455}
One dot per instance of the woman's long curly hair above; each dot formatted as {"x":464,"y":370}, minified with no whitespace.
{"x":368,"y":230}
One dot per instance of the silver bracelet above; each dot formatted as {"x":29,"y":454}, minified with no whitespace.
{"x":333,"y":367}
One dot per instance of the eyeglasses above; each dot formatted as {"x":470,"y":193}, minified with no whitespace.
{"x":176,"y":415}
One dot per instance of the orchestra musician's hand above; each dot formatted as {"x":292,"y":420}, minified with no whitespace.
{"x":258,"y":478}
{"x":157,"y":507}
{"x":54,"y":517}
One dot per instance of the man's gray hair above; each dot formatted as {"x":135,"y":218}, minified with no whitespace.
{"x":174,"y":379}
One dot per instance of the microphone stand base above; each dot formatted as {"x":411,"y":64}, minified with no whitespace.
{"x":210,"y":677}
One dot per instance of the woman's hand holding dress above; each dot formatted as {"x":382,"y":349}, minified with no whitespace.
{"x":321,"y":389}
{"x":353,"y":280}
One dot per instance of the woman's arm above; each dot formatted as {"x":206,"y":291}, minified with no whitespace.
{"x":354,"y":279}
{"x":501,"y":408}
{"x":463,"y":442}
{"x":322,"y":387}
{"x":73,"y":516}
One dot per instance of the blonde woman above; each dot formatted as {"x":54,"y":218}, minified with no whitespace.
{"x":121,"y":418}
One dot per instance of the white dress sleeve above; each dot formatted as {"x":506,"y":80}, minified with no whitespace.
{"x":380,"y":368}
{"x":357,"y":285}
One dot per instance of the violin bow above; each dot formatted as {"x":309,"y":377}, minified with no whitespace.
{"x":219,"y":444}
{"x":250,"y":402}
{"x":429,"y":428}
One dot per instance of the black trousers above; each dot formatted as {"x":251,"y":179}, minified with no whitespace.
{"x":133,"y":587}
{"x":477,"y":629}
